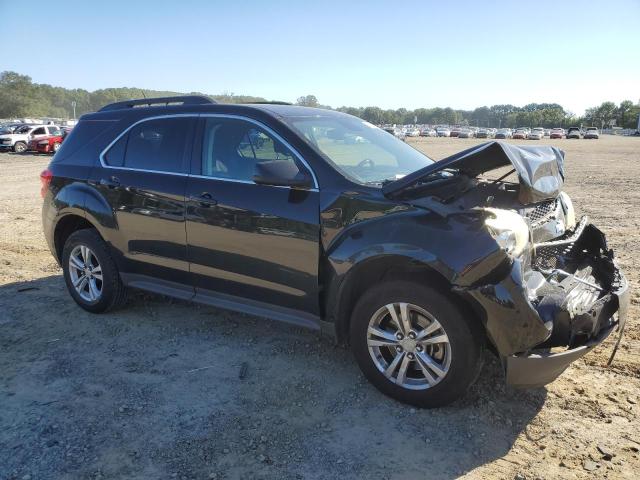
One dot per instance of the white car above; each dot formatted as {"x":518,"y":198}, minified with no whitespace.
{"x":443,"y":132}
{"x":18,"y":141}
{"x":536,"y":134}
{"x":412,"y":132}
{"x":428,"y":132}
{"x":591,"y":132}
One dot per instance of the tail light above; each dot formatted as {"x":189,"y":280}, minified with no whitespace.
{"x":45,"y":180}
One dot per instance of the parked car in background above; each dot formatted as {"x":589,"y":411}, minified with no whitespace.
{"x":412,"y":132}
{"x":520,"y":134}
{"x":504,"y":133}
{"x":484,"y":133}
{"x":466,"y":133}
{"x":454,"y":132}
{"x":557,"y":133}
{"x":547,"y":132}
{"x":428,"y":132}
{"x":399,"y":257}
{"x":48,"y":144}
{"x":395,"y":131}
{"x":591,"y":133}
{"x":574,"y":132}
{"x":8,"y":128}
{"x":443,"y":131}
{"x":19,"y":140}
{"x":536,"y":134}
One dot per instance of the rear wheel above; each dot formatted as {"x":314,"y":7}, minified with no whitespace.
{"x":56,"y":146}
{"x":20,"y":147}
{"x":90,"y":273}
{"x":414,"y":344}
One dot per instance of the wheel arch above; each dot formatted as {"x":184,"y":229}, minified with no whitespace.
{"x":66,"y":225}
{"x":79,"y":206}
{"x":344,"y":296}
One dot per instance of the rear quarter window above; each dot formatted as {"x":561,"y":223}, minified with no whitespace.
{"x":83,"y":144}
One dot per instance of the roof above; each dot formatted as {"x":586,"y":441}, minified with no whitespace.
{"x":197,"y":104}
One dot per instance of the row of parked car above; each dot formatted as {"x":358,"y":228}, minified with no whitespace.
{"x":523,"y":133}
{"x":23,"y":137}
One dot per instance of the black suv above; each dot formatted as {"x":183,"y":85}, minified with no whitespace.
{"x":320,"y":219}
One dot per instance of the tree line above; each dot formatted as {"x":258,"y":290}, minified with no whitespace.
{"x":20,"y":98}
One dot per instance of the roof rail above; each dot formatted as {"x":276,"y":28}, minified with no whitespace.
{"x":184,"y":100}
{"x":275,"y":102}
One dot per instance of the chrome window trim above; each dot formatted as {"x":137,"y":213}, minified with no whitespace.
{"x":315,"y":187}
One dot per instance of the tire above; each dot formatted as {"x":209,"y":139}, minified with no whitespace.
{"x":111,"y":293}
{"x":56,"y":147}
{"x":460,"y":358}
{"x":20,"y":147}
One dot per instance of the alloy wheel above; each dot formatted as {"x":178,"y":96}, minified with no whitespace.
{"x":409,"y":346}
{"x":85,"y":273}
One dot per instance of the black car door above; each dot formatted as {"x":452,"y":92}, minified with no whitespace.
{"x":255,"y":242}
{"x":143,"y":177}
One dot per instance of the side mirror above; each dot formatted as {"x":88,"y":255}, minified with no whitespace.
{"x":283,"y":173}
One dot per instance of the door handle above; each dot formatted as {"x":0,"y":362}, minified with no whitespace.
{"x":111,"y":182}
{"x":204,"y":199}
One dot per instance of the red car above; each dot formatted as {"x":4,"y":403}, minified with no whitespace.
{"x":520,"y":134}
{"x":48,"y":144}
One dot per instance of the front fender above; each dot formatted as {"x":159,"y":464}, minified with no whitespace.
{"x":458,"y":250}
{"x":457,"y":247}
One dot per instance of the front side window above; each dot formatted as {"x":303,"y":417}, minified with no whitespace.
{"x":156,"y":145}
{"x":232,"y":148}
{"x":362,"y":152}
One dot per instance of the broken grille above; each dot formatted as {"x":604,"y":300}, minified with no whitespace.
{"x":542,"y":212}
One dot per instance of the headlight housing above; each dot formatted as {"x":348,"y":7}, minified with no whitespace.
{"x":569,"y":211}
{"x":508,"y":229}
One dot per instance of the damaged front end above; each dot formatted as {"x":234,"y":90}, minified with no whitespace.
{"x":567,"y":296}
{"x":563,"y":293}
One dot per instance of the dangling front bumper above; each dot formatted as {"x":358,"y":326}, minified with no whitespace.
{"x":555,"y":306}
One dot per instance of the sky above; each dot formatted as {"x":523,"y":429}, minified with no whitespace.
{"x":462,"y":54}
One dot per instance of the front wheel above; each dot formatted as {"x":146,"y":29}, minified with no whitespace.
{"x":414,"y":344}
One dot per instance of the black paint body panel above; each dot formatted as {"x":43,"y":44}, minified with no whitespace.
{"x":281,"y":252}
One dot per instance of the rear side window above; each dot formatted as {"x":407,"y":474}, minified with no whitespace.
{"x":115,"y":156}
{"x":152,"y":145}
{"x":39,"y":131}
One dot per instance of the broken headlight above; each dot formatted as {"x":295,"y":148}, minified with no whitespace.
{"x":508,"y":229}
{"x":569,"y":211}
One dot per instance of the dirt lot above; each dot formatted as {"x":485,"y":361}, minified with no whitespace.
{"x":154,"y":390}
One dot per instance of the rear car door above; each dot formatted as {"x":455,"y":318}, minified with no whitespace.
{"x":143,"y":176}
{"x":255,"y":242}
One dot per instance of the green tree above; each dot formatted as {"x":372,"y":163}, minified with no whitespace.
{"x":624,"y":108}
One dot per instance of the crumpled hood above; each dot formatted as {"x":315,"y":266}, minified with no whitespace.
{"x":540,"y":169}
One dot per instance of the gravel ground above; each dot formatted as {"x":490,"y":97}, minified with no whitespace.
{"x":167,"y":389}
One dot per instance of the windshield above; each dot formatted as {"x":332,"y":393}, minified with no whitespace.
{"x":361,"y":151}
